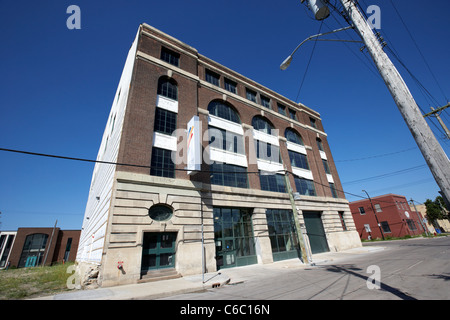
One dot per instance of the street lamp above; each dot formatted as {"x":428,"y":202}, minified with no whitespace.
{"x":288,"y":60}
{"x":376,"y":218}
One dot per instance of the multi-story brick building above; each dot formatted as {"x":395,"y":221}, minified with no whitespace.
{"x":387,"y":215}
{"x":147,"y":212}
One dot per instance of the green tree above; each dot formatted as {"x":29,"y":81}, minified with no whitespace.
{"x":435,"y":209}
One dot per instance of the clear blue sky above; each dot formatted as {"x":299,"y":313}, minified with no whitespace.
{"x":57,"y":86}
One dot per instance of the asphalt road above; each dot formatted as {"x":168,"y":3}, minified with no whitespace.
{"x":414,"y":269}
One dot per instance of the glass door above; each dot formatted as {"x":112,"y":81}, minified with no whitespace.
{"x":158,"y":250}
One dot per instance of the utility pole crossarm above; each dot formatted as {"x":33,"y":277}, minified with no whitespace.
{"x":436,"y":110}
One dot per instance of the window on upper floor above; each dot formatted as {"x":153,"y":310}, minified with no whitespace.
{"x":170,"y":56}
{"x":326,"y":166}
{"x":167,"y":87}
{"x":378,"y":207}
{"x":298,"y":160}
{"x":223,"y":110}
{"x":292,"y":114}
{"x":212,"y":77}
{"x":272,"y":182}
{"x":165,"y":121}
{"x":226,"y":140}
{"x":281,"y":109}
{"x":250,"y":95}
{"x":312,"y":122}
{"x":292,"y":136}
{"x":230,"y":86}
{"x":319,"y":144}
{"x":161,"y":163}
{"x":304,"y":186}
{"x":229,"y":175}
{"x":362,"y":211}
{"x":261,"y":124}
{"x":265,"y":102}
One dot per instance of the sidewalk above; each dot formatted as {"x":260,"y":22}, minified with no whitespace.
{"x":190,"y":284}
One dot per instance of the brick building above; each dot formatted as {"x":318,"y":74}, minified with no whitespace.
{"x":148,"y":213}
{"x":30,"y":247}
{"x":395,"y":217}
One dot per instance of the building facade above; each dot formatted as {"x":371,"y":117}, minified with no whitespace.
{"x":147,"y":212}
{"x":31,"y":247}
{"x":388,"y":215}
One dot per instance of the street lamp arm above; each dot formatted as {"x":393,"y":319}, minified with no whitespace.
{"x":288,"y":60}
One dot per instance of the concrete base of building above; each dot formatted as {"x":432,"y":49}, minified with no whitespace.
{"x":192,"y":224}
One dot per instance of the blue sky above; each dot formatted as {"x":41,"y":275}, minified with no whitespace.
{"x":57,"y":87}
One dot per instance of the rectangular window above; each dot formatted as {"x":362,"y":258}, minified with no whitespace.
{"x":282,"y":234}
{"x":272,"y":182}
{"x":251,"y":95}
{"x":325,"y":166}
{"x":226,"y":140}
{"x":68,"y":247}
{"x":230,"y":86}
{"x":281,"y":109}
{"x":341,"y":217}
{"x":298,"y":160}
{"x":312,"y":121}
{"x":305,"y":186}
{"x":333,"y":190}
{"x":162,"y":164}
{"x":267,"y":151}
{"x":385,"y":227}
{"x":362,"y":211}
{"x":165,"y":121}
{"x":265,"y":102}
{"x":229,"y":175}
{"x":378,"y":207}
{"x":212,"y":77}
{"x":170,"y":56}
{"x":292,"y":114}
{"x":411,"y":224}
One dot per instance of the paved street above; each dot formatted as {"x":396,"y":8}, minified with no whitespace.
{"x":406,"y":269}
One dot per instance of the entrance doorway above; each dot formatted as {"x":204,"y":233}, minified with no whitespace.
{"x":158,"y":251}
{"x":315,"y":231}
{"x":233,"y":235}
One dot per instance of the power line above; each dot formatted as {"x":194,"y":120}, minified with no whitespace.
{"x":309,"y":62}
{"x":418,"y":49}
{"x":387,"y":174}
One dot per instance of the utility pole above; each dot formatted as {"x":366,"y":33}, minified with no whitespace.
{"x":434,"y":155}
{"x":435,"y":112}
{"x":424,"y":227}
{"x":306,"y":257}
{"x":375,"y":214}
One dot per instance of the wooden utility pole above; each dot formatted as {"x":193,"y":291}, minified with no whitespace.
{"x":434,"y":155}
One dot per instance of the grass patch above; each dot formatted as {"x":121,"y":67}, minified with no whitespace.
{"x":33,"y":282}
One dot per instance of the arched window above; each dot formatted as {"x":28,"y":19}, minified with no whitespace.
{"x":262,"y":124}
{"x":223,"y":110}
{"x":167,"y":87}
{"x":33,"y":250}
{"x":293,"y":136}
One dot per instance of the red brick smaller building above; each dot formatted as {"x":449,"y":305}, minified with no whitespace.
{"x":387,"y":215}
{"x":38,"y":246}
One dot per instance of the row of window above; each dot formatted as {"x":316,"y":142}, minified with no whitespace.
{"x":214,"y":78}
{"x":227,"y":174}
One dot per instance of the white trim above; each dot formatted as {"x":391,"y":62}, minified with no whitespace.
{"x":225,"y":124}
{"x":269,"y":166}
{"x":330,"y":178}
{"x":223,"y":156}
{"x":323,"y":155}
{"x":166,"y":103}
{"x":268,"y":138}
{"x":303,"y":173}
{"x":164,"y":141}
{"x":295,"y":147}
